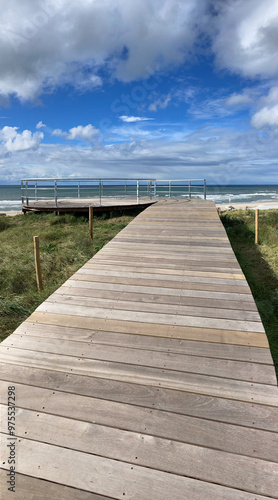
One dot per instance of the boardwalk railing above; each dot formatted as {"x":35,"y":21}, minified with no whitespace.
{"x":57,"y":189}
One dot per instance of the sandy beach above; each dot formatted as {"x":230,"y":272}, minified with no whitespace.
{"x":11,"y":212}
{"x":223,"y":207}
{"x":245,"y":206}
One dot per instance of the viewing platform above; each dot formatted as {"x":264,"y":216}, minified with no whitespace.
{"x":147,"y":375}
{"x":77,"y":195}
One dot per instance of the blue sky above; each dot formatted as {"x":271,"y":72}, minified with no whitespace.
{"x":156,"y":88}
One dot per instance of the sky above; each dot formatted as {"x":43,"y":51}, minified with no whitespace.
{"x":165,"y":89}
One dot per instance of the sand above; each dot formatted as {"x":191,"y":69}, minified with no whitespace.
{"x":223,"y":207}
{"x":244,"y":206}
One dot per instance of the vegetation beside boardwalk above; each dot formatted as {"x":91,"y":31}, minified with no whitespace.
{"x":65,"y":246}
{"x":259,"y":263}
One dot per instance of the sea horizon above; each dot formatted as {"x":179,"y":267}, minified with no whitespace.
{"x":10,"y":194}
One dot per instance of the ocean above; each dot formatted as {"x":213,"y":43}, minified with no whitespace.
{"x":10,"y":196}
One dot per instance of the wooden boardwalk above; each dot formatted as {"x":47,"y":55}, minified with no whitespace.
{"x":81,"y":205}
{"x":147,"y":375}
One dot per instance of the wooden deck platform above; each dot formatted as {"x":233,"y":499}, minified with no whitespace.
{"x":81,"y":205}
{"x":147,"y":375}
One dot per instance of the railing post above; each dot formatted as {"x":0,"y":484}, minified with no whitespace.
{"x":150,"y":190}
{"x":99,"y":188}
{"x":26,"y":193}
{"x":22,"y":192}
{"x":154,"y":190}
{"x":205,"y":189}
{"x":137,"y":192}
{"x":189,"y":189}
{"x":36,"y":191}
{"x":78,"y":189}
{"x":55,"y":194}
{"x":170,"y":186}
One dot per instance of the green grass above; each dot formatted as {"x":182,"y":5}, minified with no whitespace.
{"x":65,"y":246}
{"x":259,"y":263}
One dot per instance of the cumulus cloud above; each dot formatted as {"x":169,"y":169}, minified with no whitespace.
{"x":266,"y":117}
{"x":47,"y":44}
{"x":40,"y":125}
{"x":87,"y":133}
{"x":245,"y":37}
{"x":132,"y":119}
{"x":14,"y":141}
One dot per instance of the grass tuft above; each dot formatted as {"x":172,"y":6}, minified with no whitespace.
{"x":259,"y":263}
{"x":65,"y":246}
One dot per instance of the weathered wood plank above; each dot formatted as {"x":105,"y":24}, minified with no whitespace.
{"x":31,"y":488}
{"x":155,"y":452}
{"x":198,"y":383}
{"x":67,"y":297}
{"x":256,"y":339}
{"x":171,"y":345}
{"x":108,"y":398}
{"x":145,"y":317}
{"x":239,"y":370}
{"x":59,"y":465}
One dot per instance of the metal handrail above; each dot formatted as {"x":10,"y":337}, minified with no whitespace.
{"x":151,"y":188}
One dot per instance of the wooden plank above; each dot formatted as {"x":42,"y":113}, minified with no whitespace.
{"x":138,"y":280}
{"x":31,"y":488}
{"x":67,"y":394}
{"x":60,"y":465}
{"x":96,"y":290}
{"x":255,"y":339}
{"x":100,"y":284}
{"x":66,"y":297}
{"x":192,"y":382}
{"x":186,"y":278}
{"x":181,"y":362}
{"x":213,"y":350}
{"x":154,"y":452}
{"x":145,"y":317}
{"x":164,"y":271}
{"x":181,"y":428}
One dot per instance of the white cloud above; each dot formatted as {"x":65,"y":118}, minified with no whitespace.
{"x":222,"y":155}
{"x":45,"y":45}
{"x":87,"y":133}
{"x":59,"y":133}
{"x":245,"y":37}
{"x":238,"y":100}
{"x":48,"y":44}
{"x":161,"y":103}
{"x":131,"y":119}
{"x":267,"y":116}
{"x":14,"y":141}
{"x":40,"y":125}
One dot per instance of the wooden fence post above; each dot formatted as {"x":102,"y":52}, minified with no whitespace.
{"x":256,"y":226}
{"x":38,"y":263}
{"x":91,"y":215}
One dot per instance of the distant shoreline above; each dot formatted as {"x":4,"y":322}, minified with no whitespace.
{"x":262,"y":205}
{"x":222,"y":206}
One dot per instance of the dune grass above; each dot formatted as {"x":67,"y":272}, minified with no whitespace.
{"x":64,"y":247}
{"x":259,"y":263}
